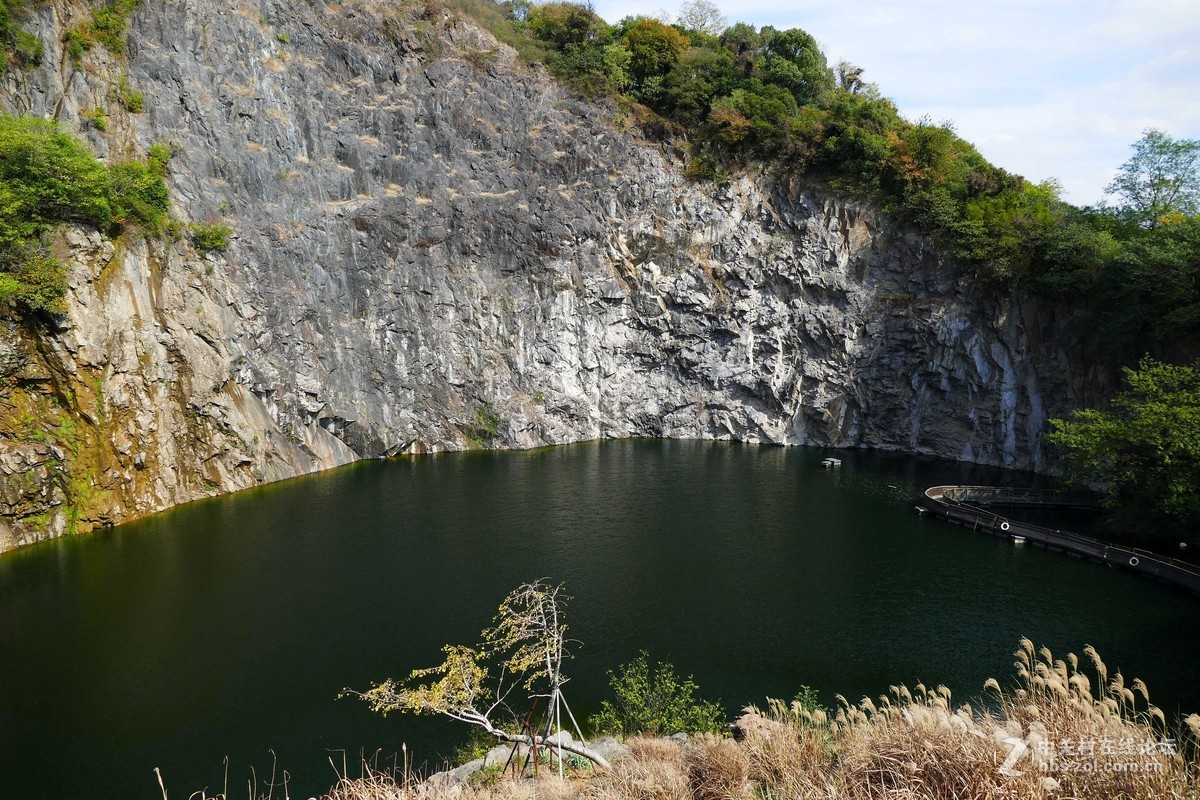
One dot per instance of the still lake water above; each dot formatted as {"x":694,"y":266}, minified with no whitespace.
{"x":226,"y":628}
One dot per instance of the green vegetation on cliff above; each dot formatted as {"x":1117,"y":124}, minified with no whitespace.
{"x":211,"y":237}
{"x":19,"y":45}
{"x":741,"y":97}
{"x":48,"y":177}
{"x":106,"y":27}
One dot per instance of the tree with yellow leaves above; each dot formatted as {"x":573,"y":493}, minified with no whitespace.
{"x":525,"y":646}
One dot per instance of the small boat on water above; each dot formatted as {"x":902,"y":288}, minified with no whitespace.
{"x":1018,"y":540}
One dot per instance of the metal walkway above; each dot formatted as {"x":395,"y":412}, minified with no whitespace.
{"x":965,"y":505}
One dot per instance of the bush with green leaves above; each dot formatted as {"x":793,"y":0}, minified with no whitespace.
{"x":1145,"y":449}
{"x":97,"y":117}
{"x":211,"y":237}
{"x":565,"y":24}
{"x":35,"y":283}
{"x":139,"y":195}
{"x":651,"y":699}
{"x":487,"y":424}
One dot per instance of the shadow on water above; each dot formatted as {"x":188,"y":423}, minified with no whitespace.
{"x":228,"y":627}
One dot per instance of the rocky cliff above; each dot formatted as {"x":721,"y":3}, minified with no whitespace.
{"x":438,"y":248}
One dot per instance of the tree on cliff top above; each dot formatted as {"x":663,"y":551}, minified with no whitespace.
{"x":1162,"y":178}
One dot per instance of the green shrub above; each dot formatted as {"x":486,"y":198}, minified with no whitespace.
{"x":284,"y":38}
{"x":654,"y":701}
{"x":139,"y":195}
{"x":174,"y":230}
{"x":654,"y":49}
{"x":1145,"y":449}
{"x":159,"y":156}
{"x":7,"y":25}
{"x":563,"y":24}
{"x":210,"y":238}
{"x":97,"y":117}
{"x":27,"y":48}
{"x":127,"y":97}
{"x":487,"y":423}
{"x":37,"y":283}
{"x":585,"y":67}
{"x":106,"y":28}
{"x":109,"y":23}
{"x":47,"y":175}
{"x":76,"y":43}
{"x":17,"y":43}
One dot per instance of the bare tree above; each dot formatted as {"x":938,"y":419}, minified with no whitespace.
{"x":701,"y":16}
{"x":528,"y":641}
{"x":850,"y":77}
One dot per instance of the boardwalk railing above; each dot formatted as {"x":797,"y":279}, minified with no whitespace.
{"x":964,"y":505}
{"x":1021,"y":498}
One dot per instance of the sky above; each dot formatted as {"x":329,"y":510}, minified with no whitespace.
{"x":1044,"y":88}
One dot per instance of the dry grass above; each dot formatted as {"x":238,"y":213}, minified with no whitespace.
{"x":654,"y":770}
{"x":717,"y":769}
{"x":381,"y":785}
{"x":1079,"y":733}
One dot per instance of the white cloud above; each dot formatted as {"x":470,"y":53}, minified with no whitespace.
{"x":1044,"y":89}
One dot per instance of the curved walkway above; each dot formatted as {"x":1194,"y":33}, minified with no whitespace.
{"x":965,"y":505}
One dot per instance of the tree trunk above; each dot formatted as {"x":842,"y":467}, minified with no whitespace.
{"x":571,"y":747}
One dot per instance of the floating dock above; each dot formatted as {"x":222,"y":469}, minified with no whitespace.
{"x":968,"y":505}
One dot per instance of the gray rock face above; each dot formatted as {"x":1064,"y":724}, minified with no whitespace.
{"x":609,"y":748}
{"x":453,"y":777}
{"x":437,"y":249}
{"x":499,"y":755}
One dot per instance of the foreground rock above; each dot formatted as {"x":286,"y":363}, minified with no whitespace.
{"x":505,"y":755}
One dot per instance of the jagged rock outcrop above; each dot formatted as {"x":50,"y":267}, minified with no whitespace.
{"x":438,"y":248}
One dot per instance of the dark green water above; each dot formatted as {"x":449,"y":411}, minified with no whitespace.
{"x":227,"y":627}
